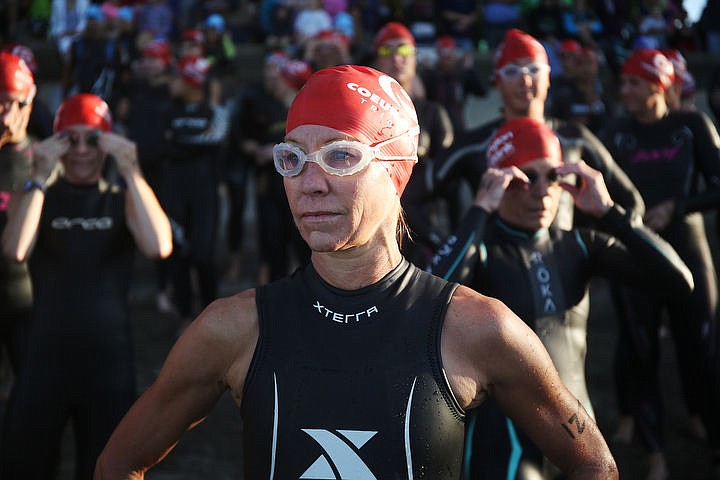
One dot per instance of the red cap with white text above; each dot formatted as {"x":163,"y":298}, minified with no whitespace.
{"x":650,"y":65}
{"x":16,"y":77}
{"x":365,"y":104}
{"x":522,"y":140}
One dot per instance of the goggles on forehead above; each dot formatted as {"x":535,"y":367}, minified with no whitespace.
{"x":340,"y":158}
{"x":514,"y":72}
{"x":404,"y":50}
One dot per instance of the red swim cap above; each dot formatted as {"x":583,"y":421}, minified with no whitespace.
{"x":522,"y":140}
{"x":23,"y":52}
{"x":650,"y":65}
{"x":570,"y":46}
{"x":194,"y":70}
{"x":16,"y":77}
{"x":295,"y":72}
{"x":393,"y":30}
{"x":83,"y":109}
{"x":158,"y":49}
{"x":678,"y":62}
{"x":365,"y":104}
{"x":519,"y":45}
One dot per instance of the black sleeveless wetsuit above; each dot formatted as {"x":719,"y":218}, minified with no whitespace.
{"x":352,"y":381}
{"x":544,"y":278}
{"x":666,"y":160}
{"x":15,"y":288}
{"x":79,"y":364}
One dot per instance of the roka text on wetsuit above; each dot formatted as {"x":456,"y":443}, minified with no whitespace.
{"x":544,"y":277}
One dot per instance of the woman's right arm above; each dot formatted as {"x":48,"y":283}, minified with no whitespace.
{"x":212,"y":355}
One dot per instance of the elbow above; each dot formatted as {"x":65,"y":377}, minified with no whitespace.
{"x":13,"y":253}
{"x":159,"y":251}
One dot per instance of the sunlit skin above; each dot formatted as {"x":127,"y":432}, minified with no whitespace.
{"x":643,"y":100}
{"x":82,"y":163}
{"x":525,"y":96}
{"x":532,"y":207}
{"x":401,"y":68}
{"x":14,"y":118}
{"x":341,"y":214}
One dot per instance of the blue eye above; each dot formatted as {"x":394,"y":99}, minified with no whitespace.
{"x":342,"y":157}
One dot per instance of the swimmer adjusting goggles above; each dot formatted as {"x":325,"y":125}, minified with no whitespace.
{"x":341,"y":158}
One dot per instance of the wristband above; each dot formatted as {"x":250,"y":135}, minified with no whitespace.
{"x":32,"y":185}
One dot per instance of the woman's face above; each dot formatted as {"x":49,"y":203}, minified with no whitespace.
{"x":335,"y":213}
{"x":83,"y":162}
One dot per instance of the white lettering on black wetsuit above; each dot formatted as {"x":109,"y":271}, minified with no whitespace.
{"x":359,"y":391}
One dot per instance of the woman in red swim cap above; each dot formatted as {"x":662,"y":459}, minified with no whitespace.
{"x":79,"y":235}
{"x":359,"y":365}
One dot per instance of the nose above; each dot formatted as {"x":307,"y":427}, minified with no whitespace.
{"x":313,"y":179}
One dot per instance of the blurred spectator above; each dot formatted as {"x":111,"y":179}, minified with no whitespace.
{"x":396,"y":56}
{"x":653,"y":26}
{"x":311,"y":18}
{"x":328,"y":48}
{"x":461,"y":20}
{"x":497,"y":17}
{"x":93,"y":60}
{"x":276,"y":18}
{"x":17,"y":92}
{"x":191,"y":43}
{"x":259,"y":123}
{"x":142,"y":109}
{"x":155,"y":17}
{"x":218,"y":45}
{"x":680,"y":93}
{"x":710,"y":26}
{"x":579,"y":95}
{"x":67,"y":21}
{"x":79,"y":236}
{"x":421,"y":19}
{"x":452,"y":79}
{"x":41,"y":119}
{"x":545,"y":22}
{"x":219,"y":49}
{"x":195,"y":131}
{"x":581,"y":23}
{"x":713,"y":92}
{"x":39,"y":18}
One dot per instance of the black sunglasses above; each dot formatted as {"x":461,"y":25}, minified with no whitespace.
{"x":92,"y":138}
{"x":551,"y":177}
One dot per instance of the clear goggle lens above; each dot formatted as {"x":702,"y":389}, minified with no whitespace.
{"x":513,"y":72}
{"x":341,"y":158}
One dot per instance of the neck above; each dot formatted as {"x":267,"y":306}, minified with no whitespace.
{"x":358,"y":267}
{"x":653,"y":113}
{"x":535,"y":111}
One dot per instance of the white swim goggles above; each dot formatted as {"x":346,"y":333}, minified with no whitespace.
{"x":341,"y":158}
{"x":512,"y":72}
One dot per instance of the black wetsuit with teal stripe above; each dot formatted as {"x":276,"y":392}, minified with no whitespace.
{"x":543,"y":277}
{"x":350,"y":384}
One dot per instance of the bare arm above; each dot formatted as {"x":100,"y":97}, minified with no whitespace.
{"x":145,"y":217}
{"x":212,"y":355}
{"x":488,"y":350}
{"x":25,"y":208}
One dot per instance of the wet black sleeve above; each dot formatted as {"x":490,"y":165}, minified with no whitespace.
{"x":457,"y":259}
{"x":640,"y":259}
{"x":707,"y":157}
